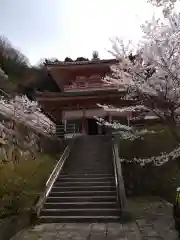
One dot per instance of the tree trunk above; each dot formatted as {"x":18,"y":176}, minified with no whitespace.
{"x":173,"y":130}
{"x":170,"y":122}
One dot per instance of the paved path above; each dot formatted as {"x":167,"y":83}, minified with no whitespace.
{"x":154,"y":222}
{"x":140,"y":230}
{"x":82,"y":232}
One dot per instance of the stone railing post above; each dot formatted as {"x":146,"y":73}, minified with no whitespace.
{"x":121,"y":187}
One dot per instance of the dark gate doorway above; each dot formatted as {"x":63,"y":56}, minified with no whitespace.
{"x":92,"y":126}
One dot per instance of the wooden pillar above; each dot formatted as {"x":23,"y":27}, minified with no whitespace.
{"x":110,"y":118}
{"x":129,"y":117}
{"x":84,"y":126}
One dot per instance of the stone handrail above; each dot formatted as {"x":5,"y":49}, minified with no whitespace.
{"x":121,"y":195}
{"x":53,"y":178}
{"x":56,"y":170}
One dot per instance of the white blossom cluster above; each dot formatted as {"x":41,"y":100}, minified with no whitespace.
{"x":167,"y":5}
{"x":114,"y":125}
{"x":2,"y":74}
{"x":128,"y":135}
{"x":123,"y":131}
{"x":22,"y":109}
{"x":156,"y":160}
{"x":123,"y":109}
{"x":164,"y":3}
{"x":21,"y":124}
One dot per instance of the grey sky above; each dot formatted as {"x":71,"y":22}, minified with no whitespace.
{"x":60,"y":28}
{"x":31,"y":25}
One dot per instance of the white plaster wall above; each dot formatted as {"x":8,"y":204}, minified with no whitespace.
{"x":67,"y":115}
{"x":90,"y":113}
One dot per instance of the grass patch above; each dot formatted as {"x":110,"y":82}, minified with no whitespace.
{"x":141,"y":206}
{"x":22,"y":183}
{"x":149,"y":207}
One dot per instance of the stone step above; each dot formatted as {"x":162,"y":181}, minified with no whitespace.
{"x":80,"y":174}
{"x":84,"y":179}
{"x":82,"y":193}
{"x":76,"y":219}
{"x":74,"y":169}
{"x":83,"y":188}
{"x":98,"y":166}
{"x":81,"y":212}
{"x":67,"y":199}
{"x":85,"y":191}
{"x":74,"y":205}
{"x":85,"y":184}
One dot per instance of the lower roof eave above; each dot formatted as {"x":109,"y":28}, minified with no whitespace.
{"x":55,"y":95}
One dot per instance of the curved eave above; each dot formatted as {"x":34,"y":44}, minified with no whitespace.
{"x":80,"y":63}
{"x":61,"y":101}
{"x":60,"y":70}
{"x":78,"y":94}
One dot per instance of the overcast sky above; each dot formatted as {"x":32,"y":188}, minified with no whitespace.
{"x":73,"y":28}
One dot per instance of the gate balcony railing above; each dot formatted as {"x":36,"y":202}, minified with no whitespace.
{"x":68,"y":131}
{"x":87,"y":86}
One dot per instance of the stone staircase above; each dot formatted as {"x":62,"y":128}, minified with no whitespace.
{"x":85,"y":190}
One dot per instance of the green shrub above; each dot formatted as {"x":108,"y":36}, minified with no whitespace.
{"x":150,"y":180}
{"x":150,"y":145}
{"x":22,"y":183}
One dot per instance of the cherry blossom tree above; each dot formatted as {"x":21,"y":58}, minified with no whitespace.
{"x":167,"y":5}
{"x":163,"y":3}
{"x":152,"y":75}
{"x":21,"y":109}
{"x":21,"y":125}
